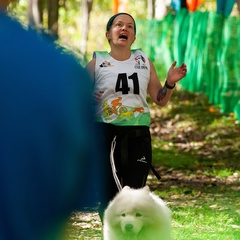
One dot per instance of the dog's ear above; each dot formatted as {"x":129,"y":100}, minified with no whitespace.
{"x":146,"y":188}
{"x":126,"y":187}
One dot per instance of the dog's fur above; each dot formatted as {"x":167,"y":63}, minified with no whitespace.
{"x":137,"y":214}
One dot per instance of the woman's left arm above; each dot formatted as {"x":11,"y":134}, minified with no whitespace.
{"x":161,"y":94}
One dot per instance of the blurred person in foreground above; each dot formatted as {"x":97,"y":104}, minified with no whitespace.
{"x":47,"y":167}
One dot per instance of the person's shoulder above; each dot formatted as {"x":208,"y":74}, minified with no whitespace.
{"x":137,"y":50}
{"x":99,"y":53}
{"x":139,"y":53}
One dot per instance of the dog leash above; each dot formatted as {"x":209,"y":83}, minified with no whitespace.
{"x":114,"y":170}
{"x":155,"y":172}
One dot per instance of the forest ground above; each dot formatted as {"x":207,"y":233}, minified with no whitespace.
{"x":196,"y":151}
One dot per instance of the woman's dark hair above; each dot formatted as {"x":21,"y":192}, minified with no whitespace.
{"x":110,"y":21}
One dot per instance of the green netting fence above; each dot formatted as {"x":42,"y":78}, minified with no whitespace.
{"x":209,"y":43}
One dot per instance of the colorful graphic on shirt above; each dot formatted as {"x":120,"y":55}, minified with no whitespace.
{"x":140,"y":59}
{"x":140,"y":62}
{"x":117,"y":109}
{"x":106,"y":64}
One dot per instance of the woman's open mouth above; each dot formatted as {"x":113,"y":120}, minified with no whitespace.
{"x":123,"y":36}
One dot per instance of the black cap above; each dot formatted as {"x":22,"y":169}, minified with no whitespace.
{"x":110,"y":21}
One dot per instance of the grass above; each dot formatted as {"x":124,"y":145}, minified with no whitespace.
{"x":207,"y":213}
{"x":196,"y":150}
{"x":208,"y":216}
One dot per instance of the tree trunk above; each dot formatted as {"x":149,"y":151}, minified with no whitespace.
{"x":86,"y":10}
{"x":35,"y":9}
{"x":183,"y":4}
{"x":238,"y":5}
{"x":151,"y":9}
{"x":53,"y":7}
{"x":161,"y":8}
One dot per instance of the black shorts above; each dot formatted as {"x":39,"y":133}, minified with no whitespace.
{"x":132,"y":155}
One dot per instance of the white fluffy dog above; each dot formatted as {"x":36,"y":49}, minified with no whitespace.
{"x":137,"y":214}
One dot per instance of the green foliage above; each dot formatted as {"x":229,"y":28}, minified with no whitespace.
{"x":18,"y":9}
{"x":207,"y":43}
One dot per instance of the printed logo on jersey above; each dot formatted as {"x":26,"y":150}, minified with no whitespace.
{"x":143,"y":159}
{"x":140,"y":62}
{"x":115,"y":109}
{"x":106,"y":64}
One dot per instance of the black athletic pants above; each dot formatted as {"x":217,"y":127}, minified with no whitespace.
{"x":132,"y":157}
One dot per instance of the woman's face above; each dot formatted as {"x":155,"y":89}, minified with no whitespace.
{"x":122,"y":31}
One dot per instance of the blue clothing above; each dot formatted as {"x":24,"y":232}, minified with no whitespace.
{"x":46,"y":136}
{"x":176,"y":5}
{"x":225,"y":6}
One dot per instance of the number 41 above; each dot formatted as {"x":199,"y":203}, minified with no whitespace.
{"x":122,"y":83}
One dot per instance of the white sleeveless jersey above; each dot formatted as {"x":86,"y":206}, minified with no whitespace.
{"x":125,"y":86}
